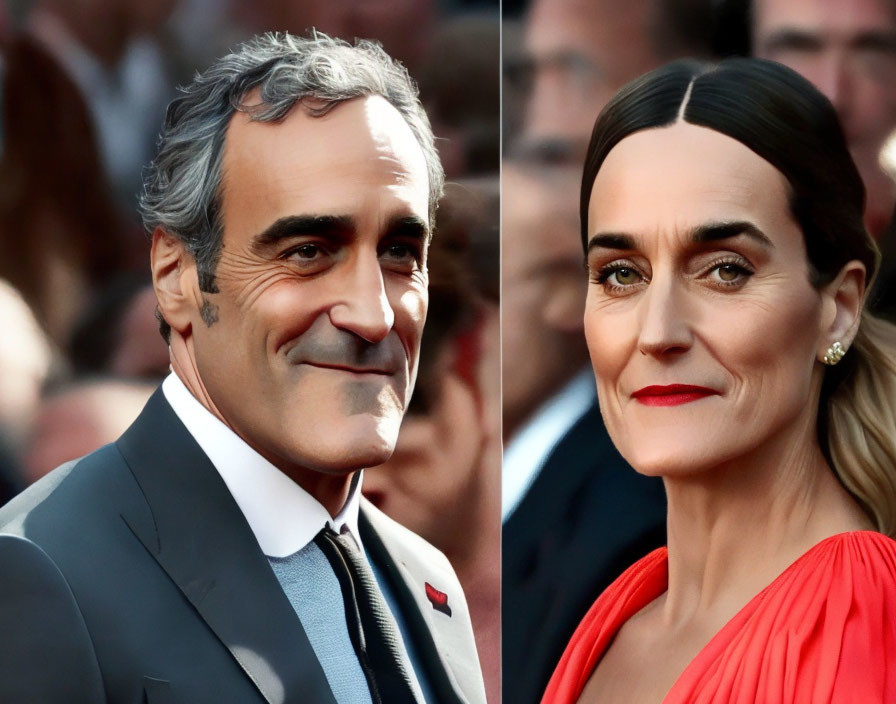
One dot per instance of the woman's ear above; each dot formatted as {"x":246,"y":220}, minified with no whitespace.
{"x":843,"y":299}
{"x":172,"y":271}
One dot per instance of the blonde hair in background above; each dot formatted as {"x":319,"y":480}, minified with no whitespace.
{"x":862,"y":423}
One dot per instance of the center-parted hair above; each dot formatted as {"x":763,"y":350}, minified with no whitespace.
{"x":182,"y":189}
{"x":780,"y":116}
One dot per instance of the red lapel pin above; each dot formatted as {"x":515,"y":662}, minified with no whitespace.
{"x":439,"y":600}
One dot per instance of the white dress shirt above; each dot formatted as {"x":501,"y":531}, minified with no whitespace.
{"x":282,"y":515}
{"x":528,"y":450}
{"x":285,"y":519}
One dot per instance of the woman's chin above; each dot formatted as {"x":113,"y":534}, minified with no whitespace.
{"x":669,"y":462}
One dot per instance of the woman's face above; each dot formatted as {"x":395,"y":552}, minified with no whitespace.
{"x":702,"y":326}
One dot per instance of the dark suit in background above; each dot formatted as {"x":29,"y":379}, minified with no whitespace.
{"x":132,"y":576}
{"x":586,"y":517}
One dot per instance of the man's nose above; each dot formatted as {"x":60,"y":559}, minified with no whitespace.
{"x":833,"y":77}
{"x":362,"y":306}
{"x":664,"y":322}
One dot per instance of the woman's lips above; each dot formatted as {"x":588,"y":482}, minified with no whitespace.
{"x":671,"y":395}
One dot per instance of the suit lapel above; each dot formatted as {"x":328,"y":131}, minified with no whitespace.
{"x":444,"y":642}
{"x":201,"y":539}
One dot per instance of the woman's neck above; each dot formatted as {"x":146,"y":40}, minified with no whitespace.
{"x":734,"y":528}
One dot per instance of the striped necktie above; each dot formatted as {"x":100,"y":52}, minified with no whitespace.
{"x":371,"y":627}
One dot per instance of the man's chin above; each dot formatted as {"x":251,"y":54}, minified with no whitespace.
{"x":353,"y":454}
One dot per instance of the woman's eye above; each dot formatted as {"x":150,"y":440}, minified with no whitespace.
{"x":617,"y":277}
{"x":729,"y":273}
{"x":624,"y":276}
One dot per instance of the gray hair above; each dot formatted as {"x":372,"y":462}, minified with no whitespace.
{"x":182,"y":189}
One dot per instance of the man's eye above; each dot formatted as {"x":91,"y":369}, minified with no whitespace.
{"x":402,"y":252}
{"x":306,"y":251}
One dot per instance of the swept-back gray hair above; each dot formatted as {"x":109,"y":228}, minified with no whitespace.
{"x":182,"y":189}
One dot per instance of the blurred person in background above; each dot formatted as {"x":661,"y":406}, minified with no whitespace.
{"x":466,"y":113}
{"x":404,"y":27}
{"x":563,"y":482}
{"x":847,"y":49}
{"x":573,"y":513}
{"x":110,"y":49}
{"x":26,"y":358}
{"x":60,"y":234}
{"x":444,"y":479}
{"x":579,"y":52}
{"x":118,"y":334}
{"x":76,"y":418}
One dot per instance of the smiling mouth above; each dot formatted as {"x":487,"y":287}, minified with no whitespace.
{"x":672,"y":395}
{"x":350,"y":369}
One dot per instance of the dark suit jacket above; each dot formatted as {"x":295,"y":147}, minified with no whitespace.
{"x":132,"y":576}
{"x":587,"y":516}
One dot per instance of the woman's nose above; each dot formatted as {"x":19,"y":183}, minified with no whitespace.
{"x":664,"y":325}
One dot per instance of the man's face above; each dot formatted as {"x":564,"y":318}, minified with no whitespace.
{"x":847,"y":49}
{"x":543,"y":287}
{"x":580,"y":53}
{"x":309,"y":348}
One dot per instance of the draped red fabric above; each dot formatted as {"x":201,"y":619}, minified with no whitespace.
{"x":824,"y":632}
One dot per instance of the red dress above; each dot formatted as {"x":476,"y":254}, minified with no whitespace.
{"x":824,"y":632}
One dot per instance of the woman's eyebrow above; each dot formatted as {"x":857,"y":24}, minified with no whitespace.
{"x":708,"y":232}
{"x":715,"y":231}
{"x":611,"y":240}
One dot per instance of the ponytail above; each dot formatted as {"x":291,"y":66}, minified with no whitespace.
{"x":861,"y":423}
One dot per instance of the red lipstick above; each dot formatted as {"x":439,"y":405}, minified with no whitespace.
{"x":671,"y":395}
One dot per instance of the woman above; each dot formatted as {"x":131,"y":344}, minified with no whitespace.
{"x":728,"y":264}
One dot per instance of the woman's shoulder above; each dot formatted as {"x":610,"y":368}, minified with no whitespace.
{"x":828,"y":624}
{"x":857,"y":556}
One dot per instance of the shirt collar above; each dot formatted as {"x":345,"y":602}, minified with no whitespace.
{"x":282,"y":515}
{"x":530,"y":447}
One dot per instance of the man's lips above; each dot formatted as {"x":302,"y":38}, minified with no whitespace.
{"x":671,"y":395}
{"x":349,"y":368}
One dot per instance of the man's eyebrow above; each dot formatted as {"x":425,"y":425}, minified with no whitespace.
{"x":715,"y":231}
{"x":611,"y":240}
{"x":409,"y":226}
{"x":297,"y":225}
{"x":792,"y":39}
{"x":877,"y":40}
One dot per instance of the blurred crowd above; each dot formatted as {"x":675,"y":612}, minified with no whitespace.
{"x":84,"y":85}
{"x":83,"y":89}
{"x":574,"y":514}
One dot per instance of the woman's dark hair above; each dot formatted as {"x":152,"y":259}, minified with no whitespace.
{"x":780,"y":116}
{"x":776,"y":113}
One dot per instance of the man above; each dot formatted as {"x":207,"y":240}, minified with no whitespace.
{"x":575,"y":514}
{"x":578,"y":53}
{"x":847,"y":48}
{"x":219,"y":551}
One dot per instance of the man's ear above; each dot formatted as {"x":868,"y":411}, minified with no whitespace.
{"x":843,"y":300}
{"x":173,"y":277}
